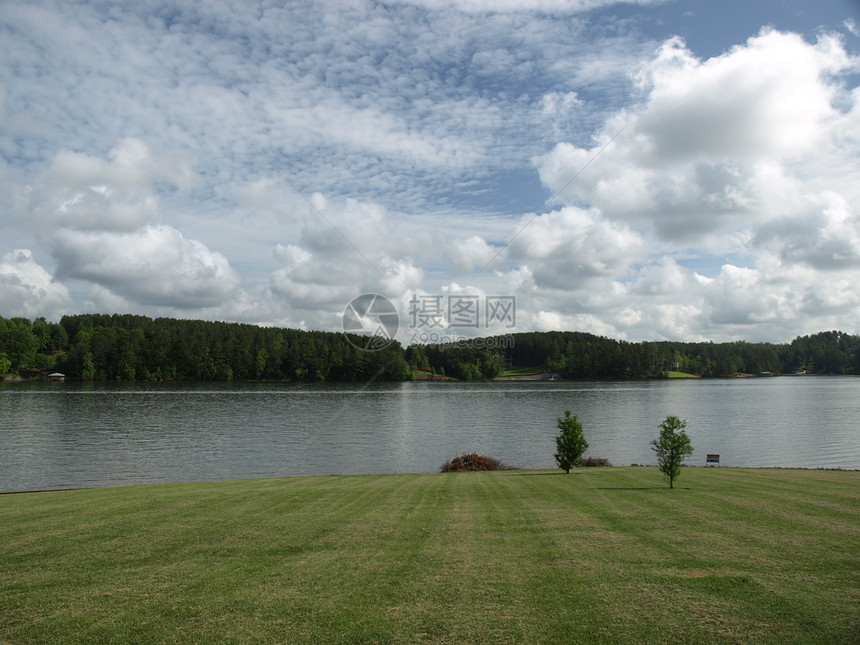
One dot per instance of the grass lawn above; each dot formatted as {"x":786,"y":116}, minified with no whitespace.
{"x":523,"y":371}
{"x":603,"y":555}
{"x":672,"y":374}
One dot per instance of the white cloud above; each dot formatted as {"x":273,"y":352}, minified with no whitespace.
{"x":154,"y":265}
{"x":554,"y":321}
{"x":557,"y":103}
{"x":472,"y":254}
{"x":687,"y":161}
{"x":381,"y":102}
{"x":821,"y":231}
{"x":103,"y":221}
{"x":738,"y":297}
{"x":661,"y":279}
{"x":567,"y":248}
{"x":27,"y":289}
{"x":744,"y":104}
{"x":752,"y":153}
{"x":553,"y":6}
{"x":88,"y":193}
{"x":344,"y":250}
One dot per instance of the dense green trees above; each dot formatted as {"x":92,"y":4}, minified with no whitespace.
{"x":125,"y":347}
{"x":129,"y":347}
{"x":828,"y":352}
{"x":466,"y":361}
{"x":27,"y":347}
{"x":579,"y":355}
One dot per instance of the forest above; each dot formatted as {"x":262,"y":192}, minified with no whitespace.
{"x":578,"y":355}
{"x":99,"y":347}
{"x":125,"y":347}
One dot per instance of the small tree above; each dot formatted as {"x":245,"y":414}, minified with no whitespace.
{"x":672,"y":447}
{"x":570,"y":443}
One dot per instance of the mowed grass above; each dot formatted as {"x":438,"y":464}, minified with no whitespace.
{"x":603,"y":555}
{"x":523,"y":371}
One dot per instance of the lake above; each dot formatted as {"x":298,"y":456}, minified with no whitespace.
{"x":55,"y":435}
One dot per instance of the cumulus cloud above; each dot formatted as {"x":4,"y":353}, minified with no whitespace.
{"x":688,"y":161}
{"x":569,"y":247}
{"x":738,"y":297}
{"x":743,"y":104}
{"x":154,"y":265}
{"x":28,"y":290}
{"x":102,"y":220}
{"x":89,"y":193}
{"x":466,"y":255}
{"x":821,"y":230}
{"x":344,"y":249}
{"x":743,"y":154}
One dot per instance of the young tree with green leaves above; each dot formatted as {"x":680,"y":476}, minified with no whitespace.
{"x":570,"y":442}
{"x":672,"y":447}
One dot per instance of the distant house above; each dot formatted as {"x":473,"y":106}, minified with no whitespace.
{"x":56,"y":377}
{"x":767,"y":373}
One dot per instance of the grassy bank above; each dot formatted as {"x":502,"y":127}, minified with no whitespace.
{"x":673,"y":374}
{"x":600,"y":555}
{"x":522,"y":371}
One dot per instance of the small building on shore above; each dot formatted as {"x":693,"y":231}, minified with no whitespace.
{"x":56,"y":377}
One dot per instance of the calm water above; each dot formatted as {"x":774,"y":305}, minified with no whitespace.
{"x":68,"y":435}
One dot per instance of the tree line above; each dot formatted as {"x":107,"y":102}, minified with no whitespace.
{"x":125,"y":347}
{"x":100,"y":347}
{"x":579,"y":355}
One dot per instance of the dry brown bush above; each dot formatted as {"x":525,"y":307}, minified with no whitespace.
{"x":472,"y":462}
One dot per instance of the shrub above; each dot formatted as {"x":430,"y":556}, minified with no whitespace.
{"x":590,"y":462}
{"x":570,"y":442}
{"x":472,"y":462}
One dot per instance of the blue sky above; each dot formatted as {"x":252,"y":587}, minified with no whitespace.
{"x":655,"y":170}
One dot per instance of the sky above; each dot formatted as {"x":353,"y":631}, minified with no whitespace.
{"x":681,"y":169}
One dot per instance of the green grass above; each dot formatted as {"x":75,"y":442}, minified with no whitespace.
{"x":523,"y":371}
{"x":603,"y":555}
{"x":672,"y":374}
